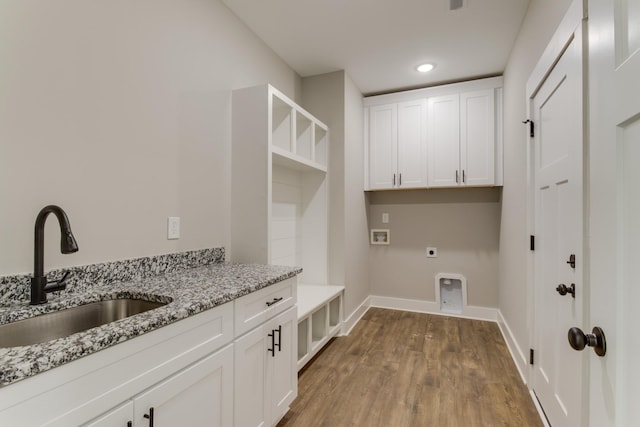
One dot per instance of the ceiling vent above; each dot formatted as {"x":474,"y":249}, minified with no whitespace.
{"x":456,"y":4}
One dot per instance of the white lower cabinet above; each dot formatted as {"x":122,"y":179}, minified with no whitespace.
{"x":198,"y":396}
{"x":266,"y":379}
{"x":122,"y":416}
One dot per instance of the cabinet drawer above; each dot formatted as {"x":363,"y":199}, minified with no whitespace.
{"x":258,"y":307}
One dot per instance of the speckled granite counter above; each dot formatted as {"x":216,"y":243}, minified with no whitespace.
{"x":189,"y":291}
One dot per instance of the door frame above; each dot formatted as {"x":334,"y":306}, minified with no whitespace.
{"x":575,"y":20}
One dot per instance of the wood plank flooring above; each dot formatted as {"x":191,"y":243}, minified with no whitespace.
{"x":399,"y":368}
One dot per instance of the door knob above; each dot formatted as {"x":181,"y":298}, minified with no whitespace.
{"x":579,"y":340}
{"x":563,"y":289}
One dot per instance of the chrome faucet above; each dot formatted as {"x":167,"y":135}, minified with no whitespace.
{"x":68,"y":245}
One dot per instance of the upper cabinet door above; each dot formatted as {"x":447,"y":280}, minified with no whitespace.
{"x":477,"y":138}
{"x":444,"y":141}
{"x":383,"y":144}
{"x":412,"y":144}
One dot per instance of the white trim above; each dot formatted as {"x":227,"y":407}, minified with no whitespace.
{"x":562,"y":37}
{"x":349,"y":323}
{"x":517,"y":355}
{"x":432,"y":307}
{"x":543,"y":417}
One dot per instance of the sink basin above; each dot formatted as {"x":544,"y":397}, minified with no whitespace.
{"x":58,"y":324}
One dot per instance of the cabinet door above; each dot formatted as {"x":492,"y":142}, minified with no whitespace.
{"x":383,"y":143}
{"x":122,"y":416}
{"x":250,"y":388}
{"x":200,"y":395}
{"x":477,"y":137}
{"x":412,"y":144}
{"x":284,"y":387}
{"x":443,"y":124}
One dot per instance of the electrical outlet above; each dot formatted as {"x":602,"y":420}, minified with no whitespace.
{"x":385,"y":218}
{"x":432,"y":252}
{"x":173,"y":227}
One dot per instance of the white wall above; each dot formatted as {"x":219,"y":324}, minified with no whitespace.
{"x":463,"y":224}
{"x":336,"y":101}
{"x":539,"y":25}
{"x":119,"y":111}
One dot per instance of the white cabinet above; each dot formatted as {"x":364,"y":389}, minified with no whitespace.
{"x":266,"y":380}
{"x":279,"y":183}
{"x":462,"y":139}
{"x":443,"y":136}
{"x":397,"y":145}
{"x":122,"y":416}
{"x":197,"y":396}
{"x":265,"y":350}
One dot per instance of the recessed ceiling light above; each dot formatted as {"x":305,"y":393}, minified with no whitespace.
{"x":425,"y":68}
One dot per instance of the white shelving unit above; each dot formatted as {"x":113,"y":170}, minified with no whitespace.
{"x":279,"y":193}
{"x":319,"y":318}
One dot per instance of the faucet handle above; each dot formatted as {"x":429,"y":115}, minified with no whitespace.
{"x":62,"y":279}
{"x":57,"y":285}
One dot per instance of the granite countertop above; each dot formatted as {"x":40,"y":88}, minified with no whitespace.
{"x":187,"y":292}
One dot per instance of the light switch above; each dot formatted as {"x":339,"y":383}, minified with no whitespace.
{"x":385,"y":218}
{"x":173,"y":227}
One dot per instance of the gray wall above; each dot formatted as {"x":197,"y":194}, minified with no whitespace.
{"x":464,"y":226}
{"x":119,"y":111}
{"x":335,"y":100}
{"x":539,"y":25}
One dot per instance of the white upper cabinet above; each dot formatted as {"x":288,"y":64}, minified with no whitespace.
{"x":444,"y":141}
{"x":412,"y":144}
{"x":462,"y":139}
{"x":383,"y":146}
{"x":444,"y":136}
{"x":397,"y":144}
{"x":477,"y":137}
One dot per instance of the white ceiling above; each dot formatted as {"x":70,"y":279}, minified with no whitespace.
{"x":380,"y":42}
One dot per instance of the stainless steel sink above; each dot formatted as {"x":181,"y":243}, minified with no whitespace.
{"x":58,"y":324}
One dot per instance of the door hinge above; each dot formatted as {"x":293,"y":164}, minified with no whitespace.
{"x":530,"y":356}
{"x":532,"y":243}
{"x":531,"y":127}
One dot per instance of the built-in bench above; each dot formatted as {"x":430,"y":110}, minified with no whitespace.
{"x":319,"y":318}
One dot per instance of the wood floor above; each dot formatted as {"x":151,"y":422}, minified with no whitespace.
{"x":399,"y":368}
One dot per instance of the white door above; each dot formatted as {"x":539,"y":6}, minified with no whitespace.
{"x":614,"y":178}
{"x":443,"y":130}
{"x":412,"y":144}
{"x":251,"y":379}
{"x":196,"y":396}
{"x":556,"y":109}
{"x":477,"y":138}
{"x":284,"y":361}
{"x":383,"y":146}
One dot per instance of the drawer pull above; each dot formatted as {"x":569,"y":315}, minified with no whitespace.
{"x":275,"y":300}
{"x":273,"y":343}
{"x":149,"y":416}
{"x":279,"y":331}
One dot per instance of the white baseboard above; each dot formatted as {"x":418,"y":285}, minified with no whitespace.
{"x":431,"y":307}
{"x":517,"y":354}
{"x":351,"y":321}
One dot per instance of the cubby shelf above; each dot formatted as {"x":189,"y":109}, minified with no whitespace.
{"x":319,"y":318}
{"x":279,"y":196}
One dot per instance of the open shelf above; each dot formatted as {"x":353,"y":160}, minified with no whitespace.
{"x":319,"y":318}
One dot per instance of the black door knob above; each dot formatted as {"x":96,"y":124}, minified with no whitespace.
{"x":579,"y":340}
{"x":563,"y":289}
